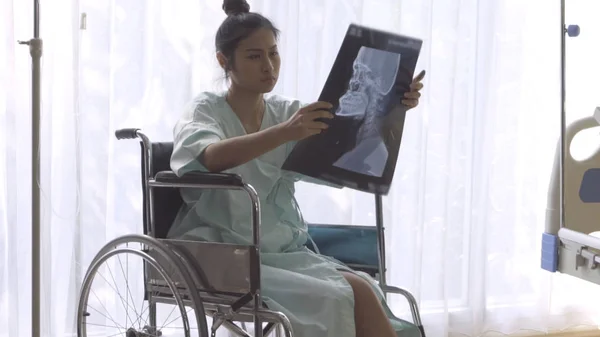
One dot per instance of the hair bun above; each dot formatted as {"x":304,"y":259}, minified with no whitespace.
{"x":234,"y":7}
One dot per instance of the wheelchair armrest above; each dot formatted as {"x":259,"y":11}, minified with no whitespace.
{"x":412,"y":302}
{"x":200,"y":178}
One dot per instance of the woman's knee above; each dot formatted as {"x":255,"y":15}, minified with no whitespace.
{"x":370,"y":317}
{"x":363,"y":292}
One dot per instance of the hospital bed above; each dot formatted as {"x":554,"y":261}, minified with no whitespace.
{"x":570,"y":246}
{"x":218,"y":280}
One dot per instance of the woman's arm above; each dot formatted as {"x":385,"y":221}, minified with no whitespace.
{"x":232,"y":152}
{"x":235,"y":151}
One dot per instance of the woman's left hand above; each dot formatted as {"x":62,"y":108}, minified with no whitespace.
{"x":411,"y":98}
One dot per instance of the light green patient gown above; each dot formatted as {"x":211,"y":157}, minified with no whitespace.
{"x":305,"y":286}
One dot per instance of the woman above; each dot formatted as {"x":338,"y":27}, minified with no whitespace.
{"x":241,"y":131}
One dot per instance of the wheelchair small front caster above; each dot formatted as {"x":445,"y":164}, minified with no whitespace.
{"x":146,"y":332}
{"x":149,"y":331}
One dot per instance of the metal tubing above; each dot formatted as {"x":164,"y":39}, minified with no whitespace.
{"x":255,"y":215}
{"x":265,"y":314}
{"x":35,"y":50}
{"x":255,"y":263}
{"x":154,"y":183}
{"x":36,"y":19}
{"x":269,"y":329}
{"x":580,"y":238}
{"x":147,"y":162}
{"x":380,"y":239}
{"x":236,"y":329}
{"x":563,"y":114}
{"x":414,"y":309}
{"x":412,"y":302}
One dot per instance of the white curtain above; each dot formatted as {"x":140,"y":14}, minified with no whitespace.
{"x":466,"y":213}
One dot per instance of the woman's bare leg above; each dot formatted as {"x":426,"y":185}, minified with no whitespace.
{"x":369,"y":316}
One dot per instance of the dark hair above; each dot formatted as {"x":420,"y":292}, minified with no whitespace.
{"x":239,"y":24}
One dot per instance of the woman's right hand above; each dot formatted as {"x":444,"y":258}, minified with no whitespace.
{"x":302,"y":124}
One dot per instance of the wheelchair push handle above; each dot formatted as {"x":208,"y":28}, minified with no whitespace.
{"x":127,"y":133}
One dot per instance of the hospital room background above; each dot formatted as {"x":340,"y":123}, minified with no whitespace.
{"x":466,"y":211}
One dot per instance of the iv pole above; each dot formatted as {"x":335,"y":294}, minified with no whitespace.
{"x":35,"y":50}
{"x":572,"y":31}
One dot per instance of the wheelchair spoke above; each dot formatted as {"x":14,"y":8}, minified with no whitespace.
{"x":163,"y":325}
{"x":107,"y":326}
{"x":113,"y":288}
{"x":109,"y":316}
{"x":127,"y":285}
{"x":118,"y":293}
{"x":188,"y":312}
{"x":143,"y":280}
{"x":143,"y":312}
{"x":139,"y":318}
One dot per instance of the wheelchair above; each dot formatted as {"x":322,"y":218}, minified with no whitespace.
{"x":200,"y":279}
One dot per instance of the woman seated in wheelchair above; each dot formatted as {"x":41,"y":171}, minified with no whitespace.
{"x":245,"y":132}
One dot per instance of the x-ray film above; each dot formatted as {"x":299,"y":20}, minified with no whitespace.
{"x":366,"y":85}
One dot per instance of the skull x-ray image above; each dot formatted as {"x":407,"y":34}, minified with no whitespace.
{"x":367,"y":99}
{"x":366,"y":85}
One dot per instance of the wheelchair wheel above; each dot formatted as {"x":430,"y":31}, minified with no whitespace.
{"x":136,"y":287}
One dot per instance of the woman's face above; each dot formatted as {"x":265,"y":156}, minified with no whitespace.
{"x":256,"y":62}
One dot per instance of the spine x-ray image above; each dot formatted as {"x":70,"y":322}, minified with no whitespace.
{"x":368,"y":98}
{"x":369,"y":77}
